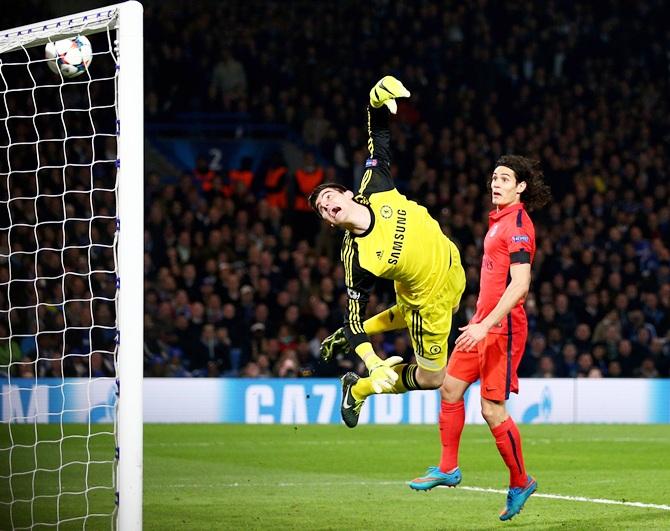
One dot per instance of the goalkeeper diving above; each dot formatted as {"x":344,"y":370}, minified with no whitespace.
{"x":389,"y":236}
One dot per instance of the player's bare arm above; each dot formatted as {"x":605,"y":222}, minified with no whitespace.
{"x":515,"y":291}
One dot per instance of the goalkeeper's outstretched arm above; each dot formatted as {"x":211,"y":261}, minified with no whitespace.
{"x":336,"y":344}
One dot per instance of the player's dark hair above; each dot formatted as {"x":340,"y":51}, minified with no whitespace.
{"x":537,"y":192}
{"x":315,"y":193}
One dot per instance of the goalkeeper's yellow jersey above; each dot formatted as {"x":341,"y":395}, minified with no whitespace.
{"x":403,"y":243}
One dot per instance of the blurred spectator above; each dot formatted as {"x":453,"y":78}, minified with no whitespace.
{"x":241,"y":179}
{"x":569,"y":367}
{"x":535,"y":351}
{"x":204,"y":174}
{"x":288,"y":364}
{"x":229,"y":81}
{"x":545,"y":368}
{"x":10,"y":353}
{"x":594,"y":372}
{"x":614,"y":369}
{"x":585,"y":364}
{"x":307,"y":177}
{"x":276,"y":181}
{"x":647,"y":369}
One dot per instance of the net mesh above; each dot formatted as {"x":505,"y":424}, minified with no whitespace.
{"x":58,"y":288}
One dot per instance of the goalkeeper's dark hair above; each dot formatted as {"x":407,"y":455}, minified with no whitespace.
{"x":315,"y":193}
{"x":537,"y":192}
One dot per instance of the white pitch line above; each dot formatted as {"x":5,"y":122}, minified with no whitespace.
{"x":577,"y":498}
{"x":351,"y":442}
{"x":475,"y":489}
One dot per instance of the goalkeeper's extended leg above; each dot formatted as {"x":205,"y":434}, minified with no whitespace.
{"x":356,"y":389}
{"x":351,"y":407}
{"x":406,"y":382}
{"x":386,"y":321}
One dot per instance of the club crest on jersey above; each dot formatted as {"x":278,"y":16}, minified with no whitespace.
{"x":493,"y":231}
{"x":521,"y":238}
{"x":353,"y":294}
{"x":386,"y":211}
{"x":435,"y":349}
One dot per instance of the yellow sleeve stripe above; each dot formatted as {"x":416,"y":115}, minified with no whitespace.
{"x":364,"y":182}
{"x":371,"y":145}
{"x":353,"y":306}
{"x":355,"y":317}
{"x":347,"y":258}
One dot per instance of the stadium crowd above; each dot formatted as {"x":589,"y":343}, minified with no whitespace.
{"x":242,"y":279}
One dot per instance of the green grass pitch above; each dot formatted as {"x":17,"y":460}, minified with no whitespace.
{"x":330,"y":477}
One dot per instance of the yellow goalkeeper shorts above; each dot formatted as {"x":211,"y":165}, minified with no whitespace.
{"x":429,"y":324}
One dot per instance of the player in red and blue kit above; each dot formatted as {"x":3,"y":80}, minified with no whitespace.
{"x":490,"y":347}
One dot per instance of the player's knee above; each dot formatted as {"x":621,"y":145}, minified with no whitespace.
{"x":488,"y":414}
{"x":494,"y":413}
{"x":430,"y":379}
{"x":450,"y":394}
{"x":453,"y":389}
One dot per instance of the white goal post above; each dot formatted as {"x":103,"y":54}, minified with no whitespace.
{"x":86,"y":220}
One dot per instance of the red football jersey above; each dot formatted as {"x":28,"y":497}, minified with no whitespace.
{"x":509,"y":240}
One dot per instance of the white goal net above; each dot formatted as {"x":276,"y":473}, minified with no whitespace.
{"x":70,"y":228}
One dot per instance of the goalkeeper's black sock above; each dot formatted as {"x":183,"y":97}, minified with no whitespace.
{"x":406,"y":378}
{"x":406,"y":382}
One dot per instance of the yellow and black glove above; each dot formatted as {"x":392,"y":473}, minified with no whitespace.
{"x":334,"y":345}
{"x":382,"y":375}
{"x":385,"y":91}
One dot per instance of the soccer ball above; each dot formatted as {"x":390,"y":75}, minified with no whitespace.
{"x":70,"y":57}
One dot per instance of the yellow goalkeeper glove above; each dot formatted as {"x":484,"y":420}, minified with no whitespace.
{"x":334,"y":345}
{"x":385,"y":91}
{"x":382,"y":375}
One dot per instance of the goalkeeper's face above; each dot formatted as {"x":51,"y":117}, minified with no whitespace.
{"x":335,"y":206}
